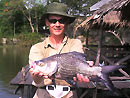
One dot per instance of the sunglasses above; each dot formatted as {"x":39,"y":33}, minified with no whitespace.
{"x":62,"y":20}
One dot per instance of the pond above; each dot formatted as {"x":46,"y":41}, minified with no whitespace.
{"x":12,"y":58}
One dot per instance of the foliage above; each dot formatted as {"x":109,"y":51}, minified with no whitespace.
{"x":28,"y":39}
{"x":18,"y":17}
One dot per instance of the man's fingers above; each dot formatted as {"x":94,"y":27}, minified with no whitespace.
{"x":91,"y":63}
{"x":81,"y":78}
{"x":74,"y":78}
{"x":85,"y":79}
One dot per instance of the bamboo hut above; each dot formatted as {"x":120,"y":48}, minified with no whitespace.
{"x":112,"y":16}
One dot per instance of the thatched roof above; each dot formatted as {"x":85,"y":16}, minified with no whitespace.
{"x":111,"y":6}
{"x":113,"y":14}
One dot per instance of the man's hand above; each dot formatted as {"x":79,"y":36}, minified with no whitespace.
{"x":36,"y":72}
{"x":91,"y":63}
{"x":82,"y":78}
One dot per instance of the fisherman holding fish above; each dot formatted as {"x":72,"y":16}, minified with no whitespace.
{"x":57,"y":20}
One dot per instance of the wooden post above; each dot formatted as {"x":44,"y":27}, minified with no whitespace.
{"x":99,"y":47}
{"x":87,"y":35}
{"x":98,"y":55}
{"x":98,"y":58}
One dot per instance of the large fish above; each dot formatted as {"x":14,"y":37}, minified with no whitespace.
{"x":67,"y":65}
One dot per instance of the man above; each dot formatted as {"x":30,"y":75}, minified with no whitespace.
{"x":57,"y":20}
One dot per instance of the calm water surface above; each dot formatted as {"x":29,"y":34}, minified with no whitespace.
{"x":12,"y":58}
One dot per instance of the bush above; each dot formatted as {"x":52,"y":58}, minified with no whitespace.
{"x":28,"y":39}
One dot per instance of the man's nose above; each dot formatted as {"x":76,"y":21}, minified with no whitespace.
{"x":57,"y":23}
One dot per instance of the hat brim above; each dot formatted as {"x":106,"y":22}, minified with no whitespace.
{"x":71,"y":18}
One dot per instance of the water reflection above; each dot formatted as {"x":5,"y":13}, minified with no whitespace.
{"x":12,"y":58}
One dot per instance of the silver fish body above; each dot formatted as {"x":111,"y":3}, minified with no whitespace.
{"x":71,"y":63}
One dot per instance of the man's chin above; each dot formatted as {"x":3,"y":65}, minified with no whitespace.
{"x":58,"y":33}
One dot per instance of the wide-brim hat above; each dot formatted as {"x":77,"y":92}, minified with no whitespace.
{"x":58,"y":9}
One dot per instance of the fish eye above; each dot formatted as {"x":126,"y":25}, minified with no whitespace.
{"x":41,"y":64}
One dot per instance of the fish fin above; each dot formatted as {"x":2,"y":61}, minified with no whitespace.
{"x":72,"y":82}
{"x":105,"y":76}
{"x":53,"y":80}
{"x":108,"y":83}
{"x":19,"y":88}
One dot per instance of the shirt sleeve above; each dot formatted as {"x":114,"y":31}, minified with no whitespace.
{"x":35,"y":53}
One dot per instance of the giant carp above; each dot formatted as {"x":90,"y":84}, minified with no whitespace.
{"x":65,"y":66}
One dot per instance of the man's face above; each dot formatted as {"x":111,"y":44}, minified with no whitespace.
{"x":56,"y":24}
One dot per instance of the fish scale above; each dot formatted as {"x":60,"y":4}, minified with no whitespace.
{"x":66,"y":67}
{"x":67,"y":71}
{"x":69,"y":67}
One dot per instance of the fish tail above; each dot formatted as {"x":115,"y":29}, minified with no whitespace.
{"x":108,"y":83}
{"x":110,"y":68}
{"x":105,"y":76}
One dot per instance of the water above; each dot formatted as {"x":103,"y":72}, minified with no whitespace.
{"x":12,"y":58}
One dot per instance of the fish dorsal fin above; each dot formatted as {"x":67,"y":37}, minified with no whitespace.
{"x":78,"y":55}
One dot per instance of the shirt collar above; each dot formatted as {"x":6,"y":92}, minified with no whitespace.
{"x":49,"y":44}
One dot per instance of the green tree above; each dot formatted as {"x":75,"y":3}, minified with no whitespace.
{"x":5,"y":25}
{"x":31,"y":11}
{"x":23,"y":13}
